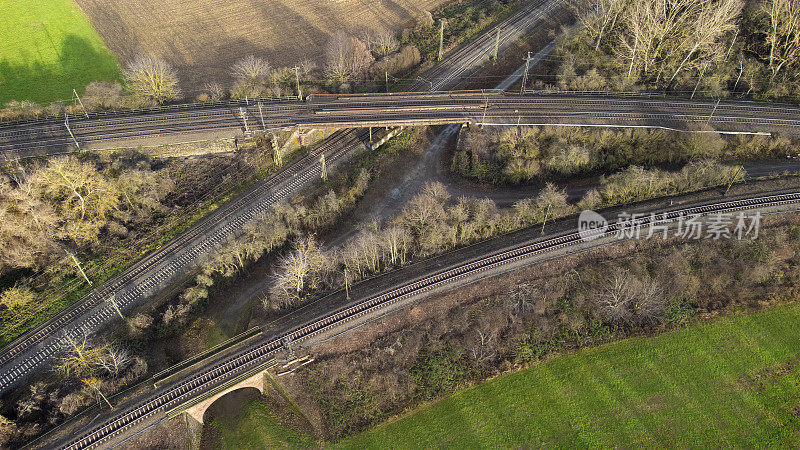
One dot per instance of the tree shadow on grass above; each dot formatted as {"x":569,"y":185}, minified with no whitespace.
{"x":78,"y":64}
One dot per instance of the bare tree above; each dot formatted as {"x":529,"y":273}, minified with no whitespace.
{"x":783,"y":34}
{"x":102,"y":95}
{"x":598,"y":17}
{"x":659,"y":37}
{"x":300,"y":269}
{"x":84,"y":197}
{"x":252,"y":75}
{"x":380,"y":43}
{"x":346,"y":57}
{"x":619,"y":294}
{"x":27,"y":225}
{"x":397,"y":242}
{"x":114,"y":360}
{"x":651,"y":302}
{"x":484,"y":347}
{"x":80,"y":356}
{"x":214,"y":91}
{"x":152,"y":79}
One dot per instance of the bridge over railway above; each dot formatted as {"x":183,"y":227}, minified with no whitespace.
{"x":33,"y":351}
{"x":397,"y":109}
{"x":197,"y":384}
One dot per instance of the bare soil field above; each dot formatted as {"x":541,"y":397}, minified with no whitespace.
{"x":204,"y":38}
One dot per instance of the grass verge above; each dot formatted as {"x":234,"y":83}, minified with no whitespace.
{"x":734,"y":382}
{"x":259,"y":427}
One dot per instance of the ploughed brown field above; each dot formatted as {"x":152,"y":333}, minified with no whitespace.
{"x":204,"y":38}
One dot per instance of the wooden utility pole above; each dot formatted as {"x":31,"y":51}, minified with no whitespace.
{"x":485,"y":107}
{"x":66,"y":124}
{"x":702,"y":71}
{"x":78,"y":265}
{"x":741,"y":71}
{"x":441,"y":39}
{"x":261,"y":113}
{"x":93,"y":384}
{"x":370,"y":138}
{"x":243,"y":112}
{"x":297,"y":77}
{"x":713,"y":111}
{"x":733,"y":179}
{"x":546,"y":213}
{"x":525,"y":75}
{"x":347,"y":283}
{"x":496,"y":46}
{"x":387,"y":81}
{"x":80,"y":102}
{"x":113,"y":301}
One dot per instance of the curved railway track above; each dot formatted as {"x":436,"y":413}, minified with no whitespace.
{"x":167,"y":261}
{"x":261,"y":353}
{"x":32,"y":350}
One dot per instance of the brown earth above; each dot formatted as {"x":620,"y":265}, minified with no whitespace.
{"x":204,"y":38}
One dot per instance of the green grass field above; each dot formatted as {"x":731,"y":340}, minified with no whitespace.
{"x":48,"y":48}
{"x":258,"y":428}
{"x":732,"y":382}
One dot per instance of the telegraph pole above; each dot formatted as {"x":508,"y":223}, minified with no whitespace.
{"x":387,"y":81}
{"x":485,"y":107}
{"x":297,"y":77}
{"x":713,"y":111}
{"x":261,"y":113}
{"x":113,"y":301}
{"x":546,"y":213}
{"x":733,"y":179}
{"x":78,"y":265}
{"x":346,"y":283}
{"x":66,"y":124}
{"x":496,"y":45}
{"x":243,"y":112}
{"x":525,"y":76}
{"x":81,"y":103}
{"x":702,"y":71}
{"x":441,"y":39}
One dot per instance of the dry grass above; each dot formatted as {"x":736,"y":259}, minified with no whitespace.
{"x":204,"y":38}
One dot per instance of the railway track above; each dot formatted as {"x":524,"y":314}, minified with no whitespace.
{"x":407,"y":109}
{"x":51,"y":137}
{"x":33,"y":350}
{"x":170,"y":260}
{"x":468,"y":57}
{"x":261,"y":353}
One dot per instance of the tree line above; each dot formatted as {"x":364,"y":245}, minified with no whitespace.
{"x":361,"y":61}
{"x":576,"y":302}
{"x":529,"y":154}
{"x":73,"y":220}
{"x":88,"y":371}
{"x":150,"y":80}
{"x":722,"y":47}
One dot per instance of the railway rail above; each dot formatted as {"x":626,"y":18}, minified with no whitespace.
{"x":434,"y":108}
{"x":260,"y":353}
{"x":33,"y":350}
{"x":166,"y":262}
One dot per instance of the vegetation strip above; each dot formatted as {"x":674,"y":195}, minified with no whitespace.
{"x":695,"y":385}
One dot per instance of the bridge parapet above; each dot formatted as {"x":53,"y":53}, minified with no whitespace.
{"x":198,"y":410}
